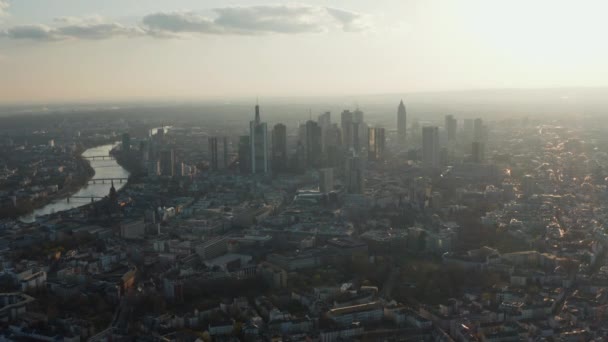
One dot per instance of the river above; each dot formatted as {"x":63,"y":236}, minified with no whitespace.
{"x":103,"y":169}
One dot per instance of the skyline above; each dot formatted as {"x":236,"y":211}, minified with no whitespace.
{"x":122,"y":50}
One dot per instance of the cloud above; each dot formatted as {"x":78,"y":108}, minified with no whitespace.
{"x":73,"y":28}
{"x":31,"y":32}
{"x":350,"y":21}
{"x":169,"y":24}
{"x":4,"y":5}
{"x":252,"y":20}
{"x":238,"y":20}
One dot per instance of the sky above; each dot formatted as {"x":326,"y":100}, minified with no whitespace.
{"x":96,"y":50}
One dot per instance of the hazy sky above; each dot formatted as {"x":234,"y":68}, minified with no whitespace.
{"x":53,"y":50}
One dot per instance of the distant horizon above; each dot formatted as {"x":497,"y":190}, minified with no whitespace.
{"x":129,"y":50}
{"x":243,"y":99}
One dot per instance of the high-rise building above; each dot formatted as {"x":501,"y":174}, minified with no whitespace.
{"x":357,"y":127}
{"x":213,"y":153}
{"x":325,"y":123}
{"x":313,"y":144}
{"x":376,"y":143}
{"x":477,"y":152}
{"x":167,"y":162}
{"x":244,"y":154}
{"x":401,"y":124}
{"x":279,"y":148}
{"x":333,"y":146}
{"x":358,"y":116}
{"x":258,"y":135}
{"x":325,"y":120}
{"x":468,"y":129}
{"x":225,"y":151}
{"x":218,"y":160}
{"x":144,"y":152}
{"x":126,"y":142}
{"x":451,"y":126}
{"x":354,"y":175}
{"x":347,"y":128}
{"x":478,"y":130}
{"x":359,"y":131}
{"x":326,"y":180}
{"x":430,"y":146}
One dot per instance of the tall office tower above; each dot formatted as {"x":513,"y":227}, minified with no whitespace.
{"x":225,"y":160}
{"x":258,"y":135}
{"x":326,"y":180}
{"x":401,"y":124}
{"x":279,"y":148}
{"x":376,"y":143}
{"x":451,"y":126}
{"x":430,"y":146}
{"x":126,"y":142}
{"x":213,"y":153}
{"x":477,"y":152}
{"x":347,"y":129}
{"x":354,"y":175}
{"x":244,"y":154}
{"x":144,"y":152}
{"x":325,"y":123}
{"x":325,"y":120}
{"x":358,"y":116}
{"x":478,"y":130}
{"x":468,"y":129}
{"x":333,"y":146}
{"x":313,"y":144}
{"x":359,"y":130}
{"x":167,"y":162}
{"x":356,"y":136}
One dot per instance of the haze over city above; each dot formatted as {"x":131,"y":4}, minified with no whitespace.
{"x":323,"y":171}
{"x":188,"y":49}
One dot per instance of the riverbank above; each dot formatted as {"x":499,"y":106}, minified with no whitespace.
{"x":81,"y":192}
{"x":84,"y":173}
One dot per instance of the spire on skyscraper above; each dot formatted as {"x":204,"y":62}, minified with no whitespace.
{"x":257,"y":111}
{"x":401,"y":123}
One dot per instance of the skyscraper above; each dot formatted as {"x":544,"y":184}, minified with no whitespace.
{"x":401,"y":124}
{"x":244,"y":154}
{"x":333,"y":146}
{"x":167,"y":162}
{"x":225,"y":160}
{"x":451,"y":125}
{"x":325,"y":123}
{"x":258,"y":135}
{"x":325,"y":120}
{"x":213,"y":153}
{"x":358,"y":116}
{"x":359,"y":130}
{"x":376,"y":143}
{"x":313,"y":144}
{"x":478,"y":128}
{"x":218,"y":160}
{"x":326,"y":180}
{"x":430,"y":146}
{"x":468,"y":129}
{"x":356,"y":136}
{"x":279,"y":148}
{"x":354,"y":175}
{"x":477,"y":152}
{"x":347,"y":129}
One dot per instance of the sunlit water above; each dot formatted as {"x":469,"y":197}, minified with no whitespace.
{"x":103,"y":169}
